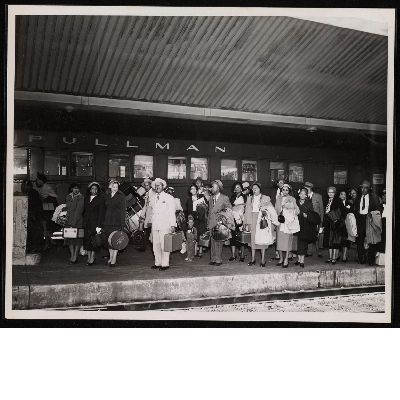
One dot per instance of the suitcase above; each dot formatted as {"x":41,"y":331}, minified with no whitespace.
{"x":73,"y":233}
{"x":118,"y":240}
{"x":245,"y":237}
{"x":173,"y":242}
{"x":204,"y":240}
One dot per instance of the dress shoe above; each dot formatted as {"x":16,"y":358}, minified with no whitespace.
{"x":211,"y":263}
{"x":218,"y":264}
{"x":279,"y":264}
{"x":333,"y":262}
{"x":262,"y":264}
{"x":72,"y":262}
{"x":241,"y":259}
{"x":328,"y":261}
{"x":155,"y":267}
{"x":297,"y":263}
{"x":233,"y":258}
{"x":89,"y":264}
{"x":301,"y":265}
{"x":163,"y":268}
{"x":285,"y":265}
{"x":344,"y":260}
{"x":251,"y":263}
{"x":112,"y":265}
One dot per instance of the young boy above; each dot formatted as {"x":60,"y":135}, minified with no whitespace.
{"x":191,"y":238}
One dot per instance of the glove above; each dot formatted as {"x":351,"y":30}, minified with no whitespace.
{"x":98,"y":230}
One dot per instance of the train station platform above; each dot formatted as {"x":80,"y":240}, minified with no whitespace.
{"x":55,"y":284}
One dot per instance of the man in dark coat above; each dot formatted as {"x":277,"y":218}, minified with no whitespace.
{"x":363,"y":205}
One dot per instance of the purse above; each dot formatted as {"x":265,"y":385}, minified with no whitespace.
{"x":204,"y":240}
{"x":263,"y":223}
{"x":99,"y":239}
{"x":281,"y":218}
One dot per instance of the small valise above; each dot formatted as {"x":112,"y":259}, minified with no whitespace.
{"x":173,"y":242}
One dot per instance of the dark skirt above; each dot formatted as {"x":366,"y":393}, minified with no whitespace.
{"x":108,"y":230}
{"x":201,"y":227}
{"x":87,"y":242}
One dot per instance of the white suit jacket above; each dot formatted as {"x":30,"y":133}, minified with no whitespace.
{"x":163,"y":211}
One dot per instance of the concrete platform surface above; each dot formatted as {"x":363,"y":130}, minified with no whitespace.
{"x":54,"y":283}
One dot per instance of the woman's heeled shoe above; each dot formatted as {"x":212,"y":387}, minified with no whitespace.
{"x":301,"y":265}
{"x":297,"y":263}
{"x":241,"y":259}
{"x":285,"y":265}
{"x":328,"y":261}
{"x":112,"y":265}
{"x":344,"y":260}
{"x":333,"y":262}
{"x":89,"y":264}
{"x":72,"y":262}
{"x":251,"y":263}
{"x":232,"y":258}
{"x":262,"y":265}
{"x":279,"y":264}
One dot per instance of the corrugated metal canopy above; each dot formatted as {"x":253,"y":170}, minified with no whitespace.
{"x":274,"y":65}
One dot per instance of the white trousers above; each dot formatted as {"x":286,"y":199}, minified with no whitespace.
{"x":161,"y":256}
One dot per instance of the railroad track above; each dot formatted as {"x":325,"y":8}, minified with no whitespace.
{"x":346,"y":299}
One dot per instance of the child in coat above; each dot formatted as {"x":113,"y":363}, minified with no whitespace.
{"x":191,"y":237}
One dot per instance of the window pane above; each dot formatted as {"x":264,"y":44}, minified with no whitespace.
{"x":55,"y":163}
{"x":296,"y":172}
{"x":176,"y":167}
{"x":277,"y":165}
{"x":20,"y":161}
{"x":249,"y":171}
{"x":199,"y":168}
{"x":229,"y":170}
{"x":143,"y":167}
{"x":340,"y":175}
{"x":119,"y":166}
{"x":82,"y":164}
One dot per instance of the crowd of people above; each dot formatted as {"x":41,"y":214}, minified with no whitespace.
{"x":293,"y":222}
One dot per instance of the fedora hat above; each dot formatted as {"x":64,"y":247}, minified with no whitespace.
{"x":158,"y":180}
{"x":219,"y":183}
{"x":366,"y":184}
{"x":146,"y":180}
{"x":309,"y":185}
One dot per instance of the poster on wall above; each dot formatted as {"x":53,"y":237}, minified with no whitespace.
{"x":378,"y":179}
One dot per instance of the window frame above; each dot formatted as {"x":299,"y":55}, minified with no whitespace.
{"x":83,"y":178}
{"x":28,"y":163}
{"x":58,"y":177}
{"x":258,"y":177}
{"x":347,"y":174}
{"x":186,"y":179}
{"x":190,"y":166}
{"x":133,"y":155}
{"x":120,"y":179}
{"x":286,"y":173}
{"x":238,"y":164}
{"x":303,"y":163}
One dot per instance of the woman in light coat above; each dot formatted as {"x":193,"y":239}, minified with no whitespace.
{"x":284,"y":240}
{"x":254,"y":204}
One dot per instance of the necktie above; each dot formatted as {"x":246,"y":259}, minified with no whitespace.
{"x":214,"y":201}
{"x":158,"y":196}
{"x":363,"y":202}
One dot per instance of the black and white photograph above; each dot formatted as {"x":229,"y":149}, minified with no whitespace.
{"x":199,"y":164}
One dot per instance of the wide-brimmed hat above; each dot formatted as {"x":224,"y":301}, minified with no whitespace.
{"x":219,"y":183}
{"x":287,"y":185}
{"x":309,"y":185}
{"x":245,"y":185}
{"x":146,"y":180}
{"x":158,"y":180}
{"x":366,"y":184}
{"x":170,"y":188}
{"x":112,"y":181}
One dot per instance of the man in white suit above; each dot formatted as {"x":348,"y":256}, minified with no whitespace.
{"x":163,"y":222}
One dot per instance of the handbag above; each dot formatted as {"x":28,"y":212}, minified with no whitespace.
{"x":73,"y":233}
{"x":99,"y":239}
{"x":281,"y":218}
{"x":263,"y":223}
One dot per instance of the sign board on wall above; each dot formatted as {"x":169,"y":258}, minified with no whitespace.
{"x":378,"y":179}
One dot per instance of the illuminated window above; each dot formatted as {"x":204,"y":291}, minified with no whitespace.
{"x":20,"y":161}
{"x":119,"y":166}
{"x":340,"y":175}
{"x":278,"y":170}
{"x":55,"y":163}
{"x":249,"y":171}
{"x":82,"y":164}
{"x":229,"y":171}
{"x":176,"y":167}
{"x":198,"y":168}
{"x":296,"y":172}
{"x":143,"y":167}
